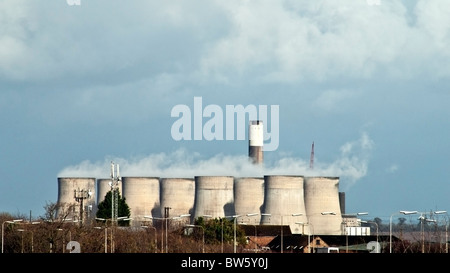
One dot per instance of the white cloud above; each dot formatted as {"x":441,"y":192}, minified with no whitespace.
{"x":281,"y":41}
{"x":322,"y":40}
{"x":332,"y":100}
{"x":392,"y":169}
{"x":351,"y":165}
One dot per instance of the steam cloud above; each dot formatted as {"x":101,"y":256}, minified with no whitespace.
{"x":350,"y":166}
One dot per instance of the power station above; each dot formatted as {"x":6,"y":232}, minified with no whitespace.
{"x":285,"y":200}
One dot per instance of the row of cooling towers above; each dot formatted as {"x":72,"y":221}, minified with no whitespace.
{"x":309,"y":205}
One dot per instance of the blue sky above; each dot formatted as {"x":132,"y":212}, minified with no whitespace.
{"x":368,"y":84}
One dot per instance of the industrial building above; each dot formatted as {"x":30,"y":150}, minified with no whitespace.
{"x":307,"y":205}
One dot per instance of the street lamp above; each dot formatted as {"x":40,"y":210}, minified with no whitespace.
{"x":422,"y":220}
{"x":405,"y":212}
{"x":328,"y":213}
{"x":32,"y":244}
{"x":106,"y":237}
{"x":377,"y":250}
{"x":282,"y":216}
{"x":203,"y":235}
{"x":22,"y":231}
{"x":309,"y":233}
{"x":114,"y":221}
{"x":345,"y":223}
{"x":173,"y":218}
{"x":446,"y":230}
{"x":62,"y":237}
{"x":156,"y":240}
{"x":234,"y":231}
{"x":256,"y":236}
{"x":162,"y":230}
{"x":234,"y":226}
{"x":165,"y":219}
{"x":3,"y":227}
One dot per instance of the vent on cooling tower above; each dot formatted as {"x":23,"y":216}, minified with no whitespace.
{"x":322,"y":205}
{"x":142,"y":197}
{"x":284,"y":202}
{"x":248,"y":199}
{"x":213,"y":196}
{"x":178,"y":195}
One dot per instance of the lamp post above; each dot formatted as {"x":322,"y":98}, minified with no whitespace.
{"x":173,"y":218}
{"x":203,"y":235}
{"x":309,"y":234}
{"x":22,"y":231}
{"x":106,"y":233}
{"x":377,"y":250}
{"x":113,"y":223}
{"x":234,"y":226}
{"x":3,"y":227}
{"x":156,"y":240}
{"x":166,"y":233}
{"x":32,"y":242}
{"x":404,"y":212}
{"x":62,"y":237}
{"x":256,"y":236}
{"x":446,"y":225}
{"x":345,"y":225}
{"x":282,"y":216}
{"x":422,"y":220}
{"x":162,"y":236}
{"x":234,"y":231}
{"x":106,"y":237}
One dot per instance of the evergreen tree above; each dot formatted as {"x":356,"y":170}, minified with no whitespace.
{"x":221,"y":228}
{"x":105,"y":208}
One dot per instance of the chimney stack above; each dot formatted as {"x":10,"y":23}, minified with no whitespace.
{"x":256,"y":141}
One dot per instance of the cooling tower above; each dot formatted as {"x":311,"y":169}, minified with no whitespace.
{"x":178,"y":195}
{"x":142,"y":196}
{"x":284,"y":202}
{"x":322,"y":205}
{"x":256,"y":141}
{"x":213,"y":196}
{"x":103,"y":187}
{"x":80,"y":192}
{"x":248,"y":199}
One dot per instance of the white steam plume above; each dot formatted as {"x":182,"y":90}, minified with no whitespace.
{"x":350,"y":166}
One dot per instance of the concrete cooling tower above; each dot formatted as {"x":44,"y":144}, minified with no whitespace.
{"x":284,"y":202}
{"x":103,"y":187}
{"x":177,"y":194}
{"x":322,"y":205}
{"x":213,"y":196}
{"x":142,"y":196}
{"x":256,"y":141}
{"x":80,"y":193}
{"x":248,"y":199}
